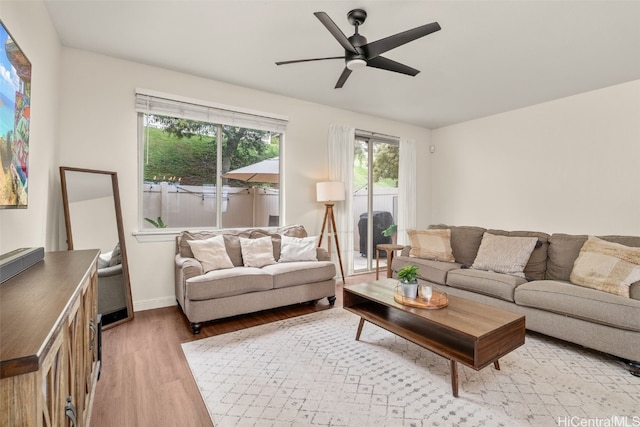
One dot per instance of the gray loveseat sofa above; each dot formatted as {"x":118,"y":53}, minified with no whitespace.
{"x":239,"y":290}
{"x":551,"y":304}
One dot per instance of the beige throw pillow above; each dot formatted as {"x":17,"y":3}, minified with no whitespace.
{"x":504,"y":254}
{"x":431,"y":244}
{"x":211,"y":253}
{"x":257,"y":252}
{"x":606,"y":266}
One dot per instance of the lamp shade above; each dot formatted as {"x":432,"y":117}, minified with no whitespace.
{"x":330,"y":191}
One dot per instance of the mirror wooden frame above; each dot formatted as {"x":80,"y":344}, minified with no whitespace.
{"x":120,"y":227}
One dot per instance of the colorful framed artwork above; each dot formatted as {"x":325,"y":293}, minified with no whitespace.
{"x":15,"y":103}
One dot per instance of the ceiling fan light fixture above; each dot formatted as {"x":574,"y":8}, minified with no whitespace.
{"x":356,"y":64}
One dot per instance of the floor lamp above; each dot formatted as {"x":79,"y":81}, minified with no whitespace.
{"x":328,"y":193}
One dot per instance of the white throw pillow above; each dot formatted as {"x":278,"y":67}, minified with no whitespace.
{"x":257,"y":252}
{"x":504,"y":254}
{"x":104,"y":259}
{"x":211,"y":253}
{"x":298,"y":249}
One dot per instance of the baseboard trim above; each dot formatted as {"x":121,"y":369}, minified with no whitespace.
{"x":150,"y":304}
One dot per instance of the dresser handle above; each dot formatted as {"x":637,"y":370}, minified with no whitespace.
{"x":70,"y":411}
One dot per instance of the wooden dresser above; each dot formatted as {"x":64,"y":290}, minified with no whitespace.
{"x":49,"y":342}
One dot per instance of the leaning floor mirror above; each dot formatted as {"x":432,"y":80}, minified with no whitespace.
{"x":93,"y":220}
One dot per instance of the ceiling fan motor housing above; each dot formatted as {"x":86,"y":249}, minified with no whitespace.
{"x":356,"y":60}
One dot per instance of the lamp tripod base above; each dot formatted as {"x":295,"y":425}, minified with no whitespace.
{"x":329,"y":222}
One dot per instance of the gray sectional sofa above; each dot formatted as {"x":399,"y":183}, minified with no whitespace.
{"x":226,"y":292}
{"x":551,"y":304}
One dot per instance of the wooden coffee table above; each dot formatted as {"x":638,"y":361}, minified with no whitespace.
{"x":465,"y":331}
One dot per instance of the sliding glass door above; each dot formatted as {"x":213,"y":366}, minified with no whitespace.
{"x":375,"y":196}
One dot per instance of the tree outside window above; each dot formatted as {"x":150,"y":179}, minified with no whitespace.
{"x":182,"y":163}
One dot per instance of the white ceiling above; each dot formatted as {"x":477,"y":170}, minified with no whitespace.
{"x":489,"y":57}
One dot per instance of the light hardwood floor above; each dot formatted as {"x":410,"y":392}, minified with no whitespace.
{"x":145,"y":378}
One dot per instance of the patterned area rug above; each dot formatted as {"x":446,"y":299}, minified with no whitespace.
{"x":309,"y":370}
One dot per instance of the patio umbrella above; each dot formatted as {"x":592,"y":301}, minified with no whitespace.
{"x":265,"y":171}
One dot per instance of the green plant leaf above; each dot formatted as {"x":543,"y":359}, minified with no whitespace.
{"x":390,"y":231}
{"x":408,"y":273}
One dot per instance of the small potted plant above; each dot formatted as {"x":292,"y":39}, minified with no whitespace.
{"x":408,"y":278}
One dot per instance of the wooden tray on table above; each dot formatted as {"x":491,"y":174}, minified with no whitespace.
{"x":437,"y":300}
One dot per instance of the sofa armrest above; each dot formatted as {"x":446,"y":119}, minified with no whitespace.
{"x":322,"y":254}
{"x":190,"y":267}
{"x":405,"y":251}
{"x":110,"y":271}
{"x":185,"y":268}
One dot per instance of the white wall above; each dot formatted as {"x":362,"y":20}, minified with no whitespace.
{"x":569,"y":165}
{"x":29,"y":24}
{"x":98,"y":131}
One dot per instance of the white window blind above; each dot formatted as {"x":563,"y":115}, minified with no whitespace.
{"x":205,"y":112}
{"x":377,"y":136}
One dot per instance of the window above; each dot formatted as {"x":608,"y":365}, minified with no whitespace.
{"x":207,"y":166}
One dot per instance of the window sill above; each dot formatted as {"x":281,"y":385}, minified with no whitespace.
{"x":152,"y":236}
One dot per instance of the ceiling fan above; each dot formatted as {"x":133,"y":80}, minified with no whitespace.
{"x":358,"y":53}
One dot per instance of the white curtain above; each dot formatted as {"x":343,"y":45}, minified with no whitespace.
{"x":341,"y":148}
{"x":406,"y":190}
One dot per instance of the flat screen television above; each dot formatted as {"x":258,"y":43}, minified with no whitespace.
{"x":15,"y":102}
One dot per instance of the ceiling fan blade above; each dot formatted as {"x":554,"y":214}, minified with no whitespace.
{"x":307,"y":60}
{"x":335,"y":31}
{"x":343,"y":78}
{"x":379,"y":47}
{"x":390,"y":65}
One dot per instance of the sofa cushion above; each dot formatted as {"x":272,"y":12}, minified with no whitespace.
{"x":298,"y":249}
{"x":564,"y":250}
{"x":211,"y":253}
{"x":581,"y":303}
{"x":537,"y":264}
{"x":228,"y":282}
{"x":606,"y":266}
{"x":234,"y":250}
{"x":231,"y":242}
{"x":504,"y":254}
{"x":465,"y":241}
{"x":292,"y":231}
{"x":428,"y":269}
{"x":485,"y":282}
{"x":431,"y":244}
{"x":299,"y":273}
{"x":257,"y":252}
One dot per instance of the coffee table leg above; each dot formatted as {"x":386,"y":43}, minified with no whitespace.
{"x":360,"y":328}
{"x":496,"y":365}
{"x":454,"y":378}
